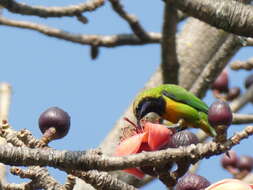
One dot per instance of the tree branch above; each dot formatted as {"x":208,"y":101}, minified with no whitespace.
{"x":229,"y":15}
{"x":39,"y":176}
{"x":238,"y":103}
{"x":249,"y":42}
{"x":97,"y":40}
{"x":5,"y":98}
{"x":216,"y":65}
{"x":102,"y":180}
{"x":40,"y":11}
{"x":22,"y":186}
{"x":88,"y":160}
{"x":247,"y":65}
{"x":169,"y":65}
{"x":131,"y":20}
{"x":197,"y":44}
{"x":242,"y":118}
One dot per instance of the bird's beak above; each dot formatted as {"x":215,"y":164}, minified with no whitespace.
{"x":139,"y":123}
{"x":143,"y":111}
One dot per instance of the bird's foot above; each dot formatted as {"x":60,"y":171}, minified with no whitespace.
{"x":179,"y":126}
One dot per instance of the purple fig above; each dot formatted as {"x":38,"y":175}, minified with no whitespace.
{"x":229,"y":160}
{"x":245,"y":163}
{"x":192,"y":181}
{"x":219,"y":113}
{"x":233,"y":93}
{"x":54,"y":123}
{"x":183,"y":138}
{"x":221,"y":83}
{"x":248,"y":81}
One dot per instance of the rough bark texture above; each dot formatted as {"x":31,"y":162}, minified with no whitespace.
{"x":197,"y":44}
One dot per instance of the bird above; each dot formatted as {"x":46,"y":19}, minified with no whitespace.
{"x":175,"y":104}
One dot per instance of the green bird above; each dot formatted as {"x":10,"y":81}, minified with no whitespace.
{"x":175,"y":104}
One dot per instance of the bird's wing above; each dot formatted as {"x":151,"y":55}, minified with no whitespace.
{"x":179,"y":94}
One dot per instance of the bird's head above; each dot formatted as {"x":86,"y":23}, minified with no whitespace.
{"x":146,"y":103}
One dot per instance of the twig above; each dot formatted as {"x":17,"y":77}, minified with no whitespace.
{"x":39,"y":176}
{"x":132,"y":20}
{"x":102,"y":180}
{"x":10,"y":135}
{"x":242,"y":118}
{"x":238,"y":103}
{"x":169,"y":65}
{"x":247,"y":65}
{"x":70,"y":183}
{"x":231,"y":16}
{"x":82,"y":18}
{"x":28,"y":139}
{"x":40,"y":11}
{"x":97,"y":40}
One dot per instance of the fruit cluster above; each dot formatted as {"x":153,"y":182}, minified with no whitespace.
{"x":238,"y":166}
{"x":221,"y":88}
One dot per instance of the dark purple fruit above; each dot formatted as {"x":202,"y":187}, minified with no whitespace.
{"x":219,"y":113}
{"x":192,"y":181}
{"x":245,"y":163}
{"x":183,"y":138}
{"x":248,"y":81}
{"x":54,"y":123}
{"x":221,"y":83}
{"x":233,"y":93}
{"x":229,"y":161}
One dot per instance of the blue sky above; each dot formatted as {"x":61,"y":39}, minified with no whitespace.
{"x":47,"y":72}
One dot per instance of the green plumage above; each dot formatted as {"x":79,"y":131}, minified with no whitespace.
{"x":177,"y":104}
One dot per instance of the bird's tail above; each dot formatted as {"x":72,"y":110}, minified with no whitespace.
{"x":205,"y":126}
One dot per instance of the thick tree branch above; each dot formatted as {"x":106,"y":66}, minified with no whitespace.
{"x":197,"y":44}
{"x":97,"y":40}
{"x":229,"y":15}
{"x":131,"y":20}
{"x":216,"y":65}
{"x":169,"y":65}
{"x":88,"y":160}
{"x":71,"y":10}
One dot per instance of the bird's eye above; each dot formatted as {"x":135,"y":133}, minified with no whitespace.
{"x":147,"y":105}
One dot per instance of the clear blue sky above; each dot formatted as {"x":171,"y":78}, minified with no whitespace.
{"x":48,"y":72}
